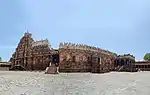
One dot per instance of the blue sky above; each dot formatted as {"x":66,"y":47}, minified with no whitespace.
{"x":121,"y":26}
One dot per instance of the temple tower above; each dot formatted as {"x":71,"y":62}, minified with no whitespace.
{"x":23,"y":50}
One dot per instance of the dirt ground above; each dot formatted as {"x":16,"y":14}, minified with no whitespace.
{"x":38,"y":83}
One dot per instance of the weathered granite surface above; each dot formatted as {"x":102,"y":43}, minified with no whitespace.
{"x":36,"y":55}
{"x":37,"y":83}
{"x":33,"y":55}
{"x":80,"y":58}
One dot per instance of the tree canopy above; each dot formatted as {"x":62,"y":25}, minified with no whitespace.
{"x":147,"y":57}
{"x":0,"y":59}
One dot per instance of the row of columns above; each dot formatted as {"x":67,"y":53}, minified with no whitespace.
{"x":142,"y":66}
{"x":121,"y":62}
{"x":33,"y":63}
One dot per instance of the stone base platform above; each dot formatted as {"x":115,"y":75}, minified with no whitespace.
{"x":52,"y":70}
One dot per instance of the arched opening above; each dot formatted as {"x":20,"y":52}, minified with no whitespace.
{"x":117,"y":62}
{"x":122,"y":62}
{"x":73,"y":59}
{"x":99,"y":61}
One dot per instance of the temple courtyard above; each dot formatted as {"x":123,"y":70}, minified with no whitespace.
{"x":38,"y":83}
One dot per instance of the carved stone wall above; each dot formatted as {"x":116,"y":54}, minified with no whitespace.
{"x":82,"y":58}
{"x":36,"y":55}
{"x":125,"y":63}
{"x":32,"y":55}
{"x":72,"y":60}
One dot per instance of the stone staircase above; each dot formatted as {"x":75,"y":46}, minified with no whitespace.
{"x":18,"y":67}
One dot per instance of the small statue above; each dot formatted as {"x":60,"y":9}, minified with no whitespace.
{"x":69,"y":45}
{"x":77,"y":46}
{"x":80,"y":46}
{"x":65,"y":45}
{"x":61,"y":45}
{"x":73,"y":45}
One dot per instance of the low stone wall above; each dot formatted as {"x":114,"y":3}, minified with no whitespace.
{"x":4,"y":68}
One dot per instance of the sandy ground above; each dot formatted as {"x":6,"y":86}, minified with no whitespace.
{"x":38,"y":83}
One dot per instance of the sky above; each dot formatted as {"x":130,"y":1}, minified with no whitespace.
{"x":120,"y":26}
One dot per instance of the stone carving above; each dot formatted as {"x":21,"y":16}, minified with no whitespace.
{"x":41,"y":43}
{"x":83,"y":47}
{"x":61,"y":45}
{"x":29,"y":51}
{"x":36,"y":55}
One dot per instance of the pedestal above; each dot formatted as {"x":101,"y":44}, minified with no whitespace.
{"x":52,"y":69}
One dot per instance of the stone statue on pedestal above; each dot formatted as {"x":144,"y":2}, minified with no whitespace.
{"x":52,"y":69}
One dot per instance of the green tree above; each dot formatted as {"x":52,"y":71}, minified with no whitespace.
{"x":147,"y":57}
{"x":0,"y":59}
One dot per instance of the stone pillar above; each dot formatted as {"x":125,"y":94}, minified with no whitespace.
{"x":24,"y":62}
{"x":124,"y":62}
{"x":119,"y":62}
{"x":15,"y":62}
{"x":42,"y":64}
{"x":34,"y":63}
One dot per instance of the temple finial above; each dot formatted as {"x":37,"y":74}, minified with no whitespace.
{"x":27,"y":31}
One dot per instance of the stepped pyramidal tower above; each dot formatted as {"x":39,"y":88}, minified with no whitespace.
{"x":30,"y":54}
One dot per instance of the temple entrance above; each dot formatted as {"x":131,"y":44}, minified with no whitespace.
{"x":55,"y":59}
{"x":54,"y":65}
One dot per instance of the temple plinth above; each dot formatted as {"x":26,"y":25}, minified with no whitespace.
{"x":52,"y":69}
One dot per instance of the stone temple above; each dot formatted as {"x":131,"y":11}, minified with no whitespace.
{"x":37,"y":55}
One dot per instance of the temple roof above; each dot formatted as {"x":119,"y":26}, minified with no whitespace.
{"x":85,"y":47}
{"x":126,"y":56}
{"x":41,"y":43}
{"x":27,"y":34}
